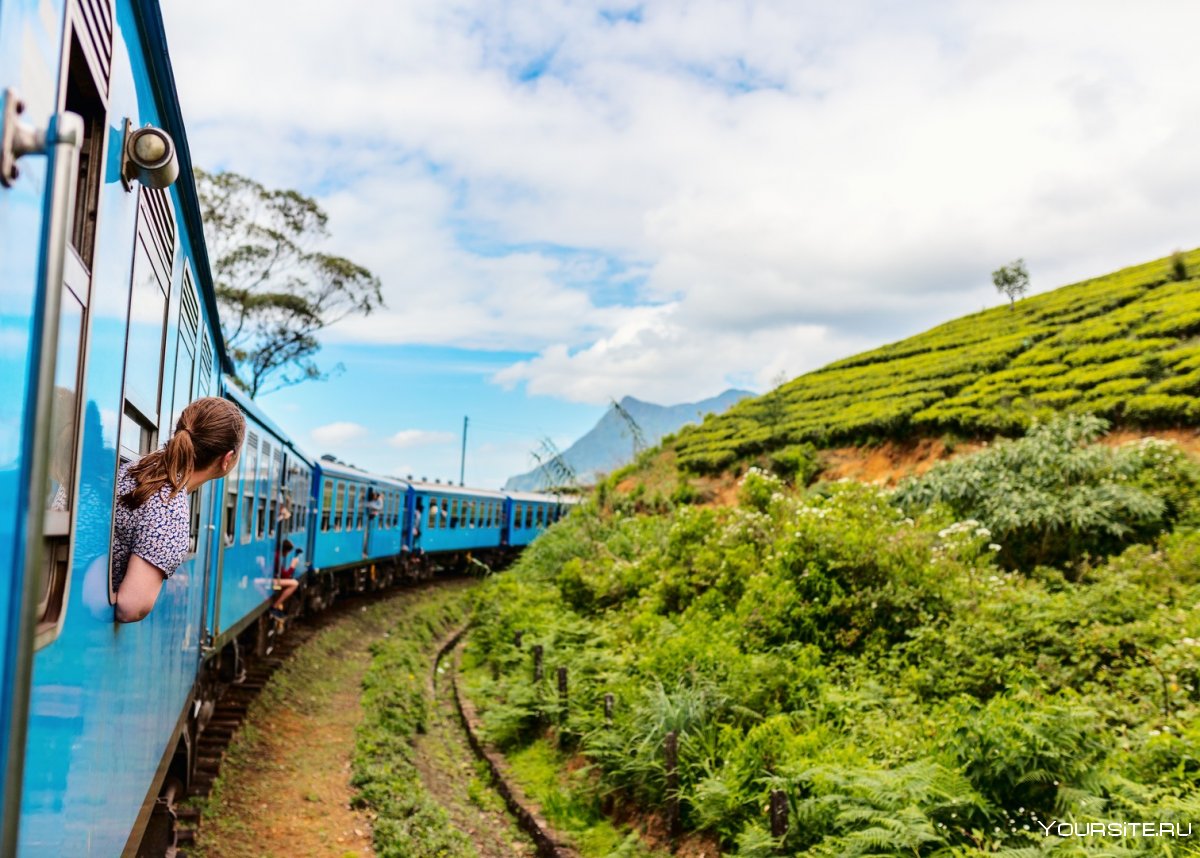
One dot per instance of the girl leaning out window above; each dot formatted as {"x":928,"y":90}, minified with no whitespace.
{"x":150,"y":526}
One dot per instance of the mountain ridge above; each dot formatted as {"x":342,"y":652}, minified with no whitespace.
{"x":609,"y":444}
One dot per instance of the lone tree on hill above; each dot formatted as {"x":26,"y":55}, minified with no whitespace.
{"x":1012,"y":280}
{"x":275,"y":288}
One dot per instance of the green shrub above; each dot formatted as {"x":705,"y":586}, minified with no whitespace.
{"x":1053,"y":496}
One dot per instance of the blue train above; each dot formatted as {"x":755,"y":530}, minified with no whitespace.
{"x":108,"y":327}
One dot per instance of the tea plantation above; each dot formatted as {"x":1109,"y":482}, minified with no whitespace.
{"x":1124,"y":346}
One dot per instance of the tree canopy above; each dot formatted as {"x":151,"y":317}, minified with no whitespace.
{"x":276,"y":287}
{"x":1012,"y":280}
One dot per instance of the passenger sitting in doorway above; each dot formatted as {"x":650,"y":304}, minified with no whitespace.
{"x":286,"y":580}
{"x":374,"y":503}
{"x":150,"y":520}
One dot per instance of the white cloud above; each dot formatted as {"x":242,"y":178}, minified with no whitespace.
{"x":418,"y":438}
{"x":712,"y":192}
{"x":338,"y":433}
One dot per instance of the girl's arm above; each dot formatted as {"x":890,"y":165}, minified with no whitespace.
{"x":139,"y":590}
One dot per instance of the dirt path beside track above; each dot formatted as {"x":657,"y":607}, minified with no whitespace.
{"x":284,"y":790}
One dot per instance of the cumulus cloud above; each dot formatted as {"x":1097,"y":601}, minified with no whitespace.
{"x":700,"y":193}
{"x":418,"y":438}
{"x":341,"y":432}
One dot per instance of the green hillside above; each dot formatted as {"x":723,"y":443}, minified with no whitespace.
{"x":1125,"y":346}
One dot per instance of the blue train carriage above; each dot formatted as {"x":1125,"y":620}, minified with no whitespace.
{"x":267,"y":500}
{"x":527,"y":514}
{"x":455,"y":525}
{"x":358,"y":533}
{"x":110,"y":328}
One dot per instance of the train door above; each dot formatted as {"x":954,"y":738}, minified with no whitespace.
{"x":42,"y":327}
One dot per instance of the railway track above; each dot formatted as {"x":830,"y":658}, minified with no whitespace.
{"x":184,"y":807}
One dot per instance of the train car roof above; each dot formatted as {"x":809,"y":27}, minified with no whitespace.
{"x":447,"y":489}
{"x":248,"y":405}
{"x":538,"y":497}
{"x":162,"y":79}
{"x":350,"y":472}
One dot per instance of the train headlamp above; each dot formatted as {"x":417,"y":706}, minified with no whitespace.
{"x":148,"y":156}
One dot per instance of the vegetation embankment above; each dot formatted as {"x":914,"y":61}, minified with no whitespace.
{"x":325,"y":756}
{"x":952,"y":668}
{"x":1123,"y":346}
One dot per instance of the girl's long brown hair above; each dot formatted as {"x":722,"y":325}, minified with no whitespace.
{"x":207,"y":429}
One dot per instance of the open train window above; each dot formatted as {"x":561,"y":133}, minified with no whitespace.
{"x":248,"y":480}
{"x":529,"y":516}
{"x":231,"y":496}
{"x":83,"y":89}
{"x":326,"y":504}
{"x":339,"y":504}
{"x":360,"y":509}
{"x":273,"y":491}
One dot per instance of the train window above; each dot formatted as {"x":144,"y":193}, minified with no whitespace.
{"x":528,"y":516}
{"x":251,"y":457}
{"x":231,"y":497}
{"x":260,"y":491}
{"x":86,"y":79}
{"x":339,"y":501}
{"x":454,"y":513}
{"x":433,"y":513}
{"x":361,"y":509}
{"x":517,"y":518}
{"x":153,"y":254}
{"x":274,"y":490}
{"x":194,"y":523}
{"x":64,"y":420}
{"x":305,"y":496}
{"x":326,"y":504}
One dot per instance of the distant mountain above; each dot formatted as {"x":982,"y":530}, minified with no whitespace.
{"x":609,"y":444}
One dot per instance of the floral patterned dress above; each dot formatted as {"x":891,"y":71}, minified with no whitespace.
{"x":157,"y":531}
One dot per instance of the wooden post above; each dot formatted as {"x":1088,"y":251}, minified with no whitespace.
{"x":608,"y":710}
{"x":517,"y":636}
{"x":671,"y":755}
{"x":779,"y":813}
{"x":562,"y":695}
{"x":537,"y":663}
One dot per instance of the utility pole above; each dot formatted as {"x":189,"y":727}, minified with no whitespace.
{"x":639,"y":437}
{"x":462,"y":469}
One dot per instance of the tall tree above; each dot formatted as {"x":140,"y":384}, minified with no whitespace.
{"x":277,"y":290}
{"x":1012,"y":280}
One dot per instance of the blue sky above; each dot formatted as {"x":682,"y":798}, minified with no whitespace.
{"x":399,"y":410}
{"x":569,"y":202}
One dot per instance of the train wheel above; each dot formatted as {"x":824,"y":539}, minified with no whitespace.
{"x":161,"y":839}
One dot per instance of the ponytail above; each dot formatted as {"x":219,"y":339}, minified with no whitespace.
{"x":207,"y":430}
